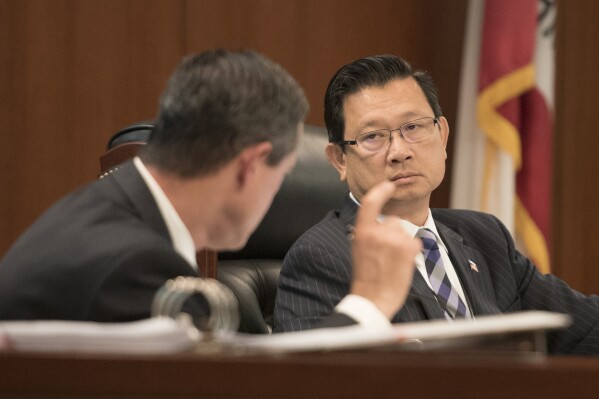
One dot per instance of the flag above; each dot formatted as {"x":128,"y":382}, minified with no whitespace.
{"x":502,"y":156}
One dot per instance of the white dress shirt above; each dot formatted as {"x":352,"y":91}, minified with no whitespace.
{"x":180,"y":236}
{"x":366,"y":313}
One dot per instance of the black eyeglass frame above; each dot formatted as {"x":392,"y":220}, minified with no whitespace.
{"x":355,"y":142}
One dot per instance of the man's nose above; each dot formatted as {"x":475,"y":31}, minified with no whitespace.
{"x":399,"y":149}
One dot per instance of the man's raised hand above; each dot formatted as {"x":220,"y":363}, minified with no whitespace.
{"x":383,"y":253}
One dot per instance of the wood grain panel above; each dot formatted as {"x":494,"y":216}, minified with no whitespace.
{"x":576,"y":194}
{"x":74,"y":72}
{"x":312,"y":39}
{"x":440,"y":41}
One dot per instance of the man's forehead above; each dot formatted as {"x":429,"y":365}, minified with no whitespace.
{"x":404,"y":96}
{"x":400,"y":84}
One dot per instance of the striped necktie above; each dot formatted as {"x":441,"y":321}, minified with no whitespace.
{"x":447,"y":295}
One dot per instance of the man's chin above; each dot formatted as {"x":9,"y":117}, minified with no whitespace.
{"x":403,"y":198}
{"x":232,"y":247}
{"x":405,"y":195}
{"x":231,"y":244}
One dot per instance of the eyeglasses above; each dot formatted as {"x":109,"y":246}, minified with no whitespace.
{"x":412,"y":132}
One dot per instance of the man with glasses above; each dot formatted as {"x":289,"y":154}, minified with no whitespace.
{"x":385,"y":124}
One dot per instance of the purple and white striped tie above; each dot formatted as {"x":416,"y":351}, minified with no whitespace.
{"x":446,"y":294}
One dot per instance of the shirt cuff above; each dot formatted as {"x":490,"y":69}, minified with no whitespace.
{"x":363,"y":311}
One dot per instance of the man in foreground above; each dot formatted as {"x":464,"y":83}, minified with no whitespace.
{"x":385,"y":125}
{"x":225,"y":136}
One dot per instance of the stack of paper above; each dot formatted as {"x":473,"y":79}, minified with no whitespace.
{"x":399,"y":334}
{"x":165,"y":335}
{"x":151,"y":336}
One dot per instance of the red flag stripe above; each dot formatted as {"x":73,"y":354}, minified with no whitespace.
{"x":515,"y":118}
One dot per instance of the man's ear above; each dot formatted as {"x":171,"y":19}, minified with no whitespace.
{"x":444,"y":132}
{"x":250,"y":159}
{"x":336,"y":157}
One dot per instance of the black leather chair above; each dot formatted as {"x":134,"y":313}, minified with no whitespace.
{"x":310,"y":191}
{"x":124,"y":145}
{"x":136,"y":133}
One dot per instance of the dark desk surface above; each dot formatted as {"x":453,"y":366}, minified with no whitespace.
{"x":343,"y":374}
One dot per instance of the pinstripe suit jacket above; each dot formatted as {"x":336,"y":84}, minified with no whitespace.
{"x":316,"y":275}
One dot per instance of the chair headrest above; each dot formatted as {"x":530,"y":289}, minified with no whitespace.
{"x":308,"y":193}
{"x":139,"y":132}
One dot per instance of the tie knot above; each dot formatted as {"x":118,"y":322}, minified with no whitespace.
{"x":429,"y":240}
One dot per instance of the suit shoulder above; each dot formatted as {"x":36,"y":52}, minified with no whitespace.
{"x":473,"y":226}
{"x":456,"y":217}
{"x":330,"y":226}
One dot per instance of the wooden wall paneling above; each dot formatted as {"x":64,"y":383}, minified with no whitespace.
{"x":441,"y":42}
{"x":576,"y":142}
{"x":312,"y":39}
{"x":33,"y":96}
{"x":75,"y":72}
{"x":11,"y":99}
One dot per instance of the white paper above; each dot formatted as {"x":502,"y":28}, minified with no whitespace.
{"x":150,"y":336}
{"x":353,"y":337}
{"x":165,"y":335}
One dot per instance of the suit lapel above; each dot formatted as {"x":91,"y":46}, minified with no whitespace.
{"x":472,"y":271}
{"x":348,"y":212}
{"x":474,"y":277}
{"x":421,"y":303}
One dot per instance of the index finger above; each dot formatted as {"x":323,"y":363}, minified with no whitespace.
{"x":372,"y":203}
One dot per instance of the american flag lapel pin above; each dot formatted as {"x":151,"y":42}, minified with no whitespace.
{"x":473,"y":266}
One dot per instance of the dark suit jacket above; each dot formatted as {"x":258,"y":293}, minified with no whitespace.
{"x":317,"y":270}
{"x":98,"y":254}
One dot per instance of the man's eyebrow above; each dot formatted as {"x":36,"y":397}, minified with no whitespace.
{"x":373,"y":124}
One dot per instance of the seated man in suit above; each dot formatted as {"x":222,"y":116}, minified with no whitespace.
{"x":225,"y":136}
{"x":385,"y":124}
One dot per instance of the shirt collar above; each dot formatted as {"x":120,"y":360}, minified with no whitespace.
{"x":180,"y":235}
{"x":412,"y":229}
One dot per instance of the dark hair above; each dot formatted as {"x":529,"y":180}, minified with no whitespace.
{"x":219,"y":102}
{"x":367,"y":72}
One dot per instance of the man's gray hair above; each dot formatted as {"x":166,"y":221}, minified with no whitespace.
{"x":219,"y":102}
